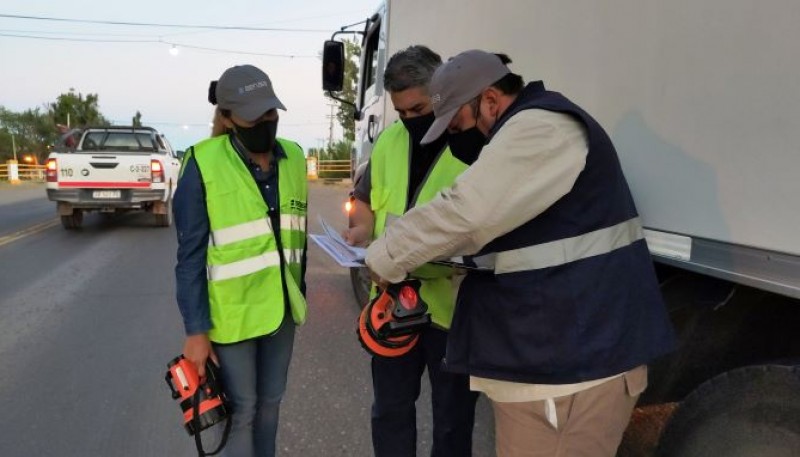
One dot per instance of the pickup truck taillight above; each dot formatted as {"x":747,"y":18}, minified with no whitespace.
{"x":52,"y":170}
{"x":156,"y":171}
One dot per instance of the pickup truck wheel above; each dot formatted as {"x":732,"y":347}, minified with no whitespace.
{"x":72,"y":221}
{"x":359,"y":278}
{"x":165,"y":220}
{"x":748,"y":412}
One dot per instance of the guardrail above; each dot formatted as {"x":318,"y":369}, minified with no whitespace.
{"x":26,"y":172}
{"x":334,"y":165}
{"x":336,"y":169}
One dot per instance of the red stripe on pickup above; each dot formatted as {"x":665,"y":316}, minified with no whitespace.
{"x":104,"y":185}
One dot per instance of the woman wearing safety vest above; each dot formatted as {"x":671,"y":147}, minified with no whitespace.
{"x":402,"y":174}
{"x":240,"y":213}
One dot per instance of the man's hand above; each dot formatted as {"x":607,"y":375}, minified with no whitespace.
{"x":359,"y":235}
{"x":380,"y":282}
{"x":197,"y":349}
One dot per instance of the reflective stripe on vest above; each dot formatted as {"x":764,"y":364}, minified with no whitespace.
{"x":293,"y":255}
{"x":240,"y":232}
{"x":255,"y":228}
{"x":293,"y":222}
{"x":564,"y":251}
{"x":244,"y":267}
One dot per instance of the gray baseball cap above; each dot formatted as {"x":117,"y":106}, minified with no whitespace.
{"x":247,"y":92}
{"x":458,"y":81}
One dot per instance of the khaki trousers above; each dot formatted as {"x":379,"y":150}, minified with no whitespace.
{"x":590,"y":422}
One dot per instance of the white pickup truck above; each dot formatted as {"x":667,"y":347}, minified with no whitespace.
{"x":114,"y":169}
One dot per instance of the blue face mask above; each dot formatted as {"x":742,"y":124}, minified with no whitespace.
{"x":260,"y":138}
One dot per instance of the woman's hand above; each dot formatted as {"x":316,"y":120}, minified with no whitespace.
{"x":197,"y":349}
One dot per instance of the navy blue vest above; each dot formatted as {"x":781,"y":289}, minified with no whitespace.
{"x":582,"y":320}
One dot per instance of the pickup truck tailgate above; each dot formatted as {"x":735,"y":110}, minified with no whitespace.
{"x":104,"y":171}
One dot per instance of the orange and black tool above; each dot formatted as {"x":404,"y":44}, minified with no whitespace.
{"x":389,"y":325}
{"x":203,"y":404}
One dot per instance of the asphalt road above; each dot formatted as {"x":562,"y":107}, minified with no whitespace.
{"x":88,"y":322}
{"x":23,"y":206}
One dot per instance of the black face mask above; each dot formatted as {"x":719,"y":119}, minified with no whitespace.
{"x":260,"y":138}
{"x":418,"y":126}
{"x":466,"y":145}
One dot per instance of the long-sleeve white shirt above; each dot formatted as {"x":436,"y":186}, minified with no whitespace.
{"x":532,"y":161}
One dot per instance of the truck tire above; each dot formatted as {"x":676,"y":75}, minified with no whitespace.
{"x":359,"y":278}
{"x":748,"y":412}
{"x":165,"y":220}
{"x":72,"y":221}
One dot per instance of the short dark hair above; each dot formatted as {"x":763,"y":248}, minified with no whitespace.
{"x":510,"y":84}
{"x":411,"y":67}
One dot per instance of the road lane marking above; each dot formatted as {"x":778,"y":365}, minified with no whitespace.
{"x":34,"y":229}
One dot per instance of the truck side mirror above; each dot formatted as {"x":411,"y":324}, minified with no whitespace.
{"x":333,"y":66}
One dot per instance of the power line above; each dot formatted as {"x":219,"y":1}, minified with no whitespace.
{"x":89,"y":40}
{"x":98,"y":40}
{"x":68,"y":33}
{"x":291,"y":56}
{"x":178,"y":26}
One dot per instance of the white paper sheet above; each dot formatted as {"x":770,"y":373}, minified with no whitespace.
{"x":335,"y":246}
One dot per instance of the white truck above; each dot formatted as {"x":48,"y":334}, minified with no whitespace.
{"x":114,"y":169}
{"x":702,"y":102}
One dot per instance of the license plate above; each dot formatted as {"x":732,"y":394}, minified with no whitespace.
{"x":107,"y":194}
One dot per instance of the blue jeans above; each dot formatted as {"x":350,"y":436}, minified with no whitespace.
{"x":254,"y":377}
{"x":396,"y":386}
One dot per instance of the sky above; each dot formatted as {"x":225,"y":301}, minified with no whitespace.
{"x":171,"y":90}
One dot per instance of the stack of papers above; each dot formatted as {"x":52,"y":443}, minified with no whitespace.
{"x":335,"y":246}
{"x":352,"y":256}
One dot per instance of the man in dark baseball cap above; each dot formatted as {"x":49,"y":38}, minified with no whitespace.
{"x":567,"y":310}
{"x":459,"y":81}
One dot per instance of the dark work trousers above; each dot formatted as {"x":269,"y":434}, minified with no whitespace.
{"x":396,"y":386}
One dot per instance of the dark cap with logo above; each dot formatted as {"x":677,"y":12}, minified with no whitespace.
{"x":247,"y":92}
{"x":458,"y":81}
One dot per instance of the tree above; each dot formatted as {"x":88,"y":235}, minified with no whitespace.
{"x":76,"y":110}
{"x":344,"y":115}
{"x":341,"y":150}
{"x":315,"y":152}
{"x":32,"y":131}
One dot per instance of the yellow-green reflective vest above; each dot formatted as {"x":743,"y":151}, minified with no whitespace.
{"x":389,"y":172}
{"x":244,"y":266}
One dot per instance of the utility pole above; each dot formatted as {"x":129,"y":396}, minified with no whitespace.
{"x":321,"y":148}
{"x":14,"y":147}
{"x":330,"y":130}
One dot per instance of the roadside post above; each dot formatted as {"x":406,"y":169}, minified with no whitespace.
{"x":13,"y":171}
{"x":311,"y":167}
